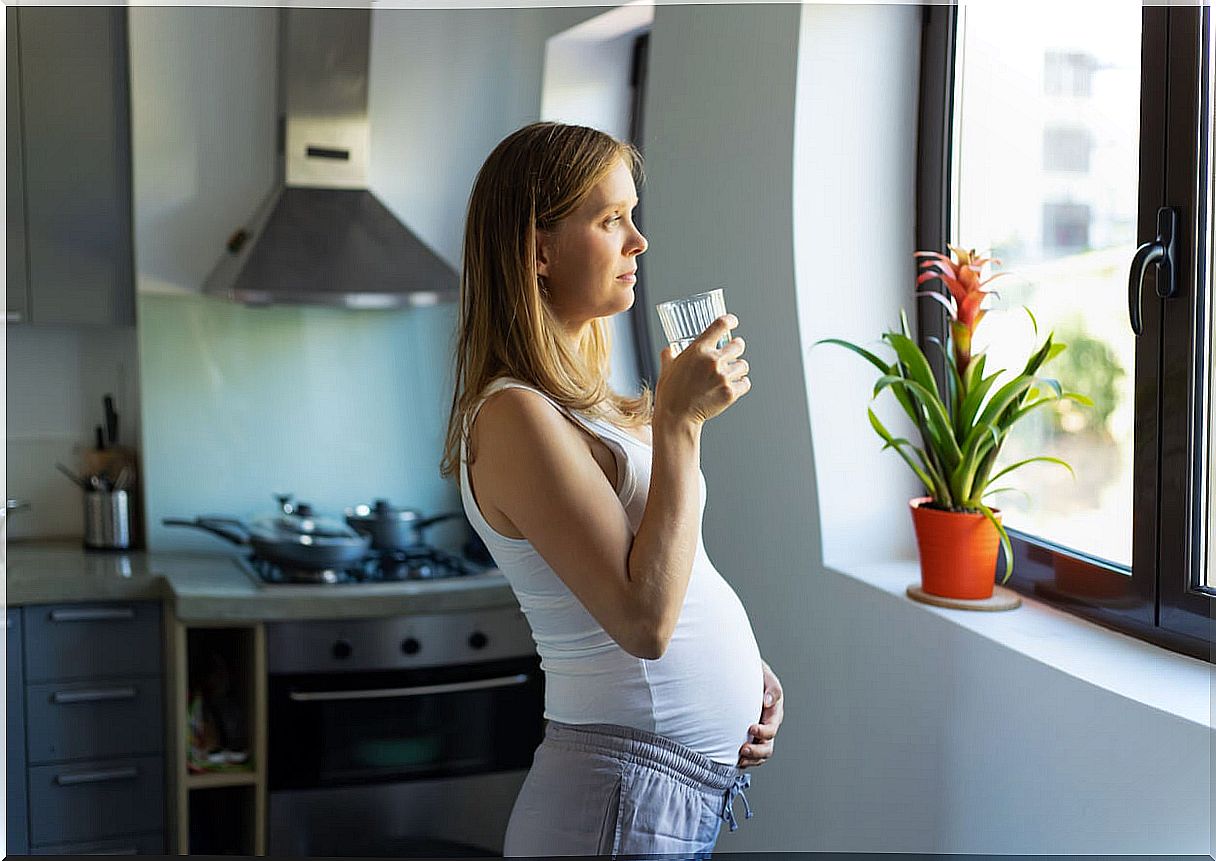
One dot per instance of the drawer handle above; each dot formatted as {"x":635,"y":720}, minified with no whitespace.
{"x":93,"y":696}
{"x":100,"y":776}
{"x":92,"y":614}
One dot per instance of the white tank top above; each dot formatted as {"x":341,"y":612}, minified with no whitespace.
{"x":708,"y":687}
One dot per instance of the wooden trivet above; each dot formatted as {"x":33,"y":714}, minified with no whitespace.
{"x":1002,"y":599}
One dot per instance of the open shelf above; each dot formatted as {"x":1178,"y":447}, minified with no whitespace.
{"x":222,"y":821}
{"x":221,"y":779}
{"x":219,"y":812}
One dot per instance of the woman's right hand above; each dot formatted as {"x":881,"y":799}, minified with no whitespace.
{"x":702,"y":381}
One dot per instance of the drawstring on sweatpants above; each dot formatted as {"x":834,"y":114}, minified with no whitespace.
{"x":744,"y":781}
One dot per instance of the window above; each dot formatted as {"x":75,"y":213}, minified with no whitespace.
{"x":1066,"y":150}
{"x":1067,"y":73}
{"x":1064,"y":182}
{"x":1065,"y":227}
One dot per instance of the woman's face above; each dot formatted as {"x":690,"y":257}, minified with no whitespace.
{"x":589,"y":262}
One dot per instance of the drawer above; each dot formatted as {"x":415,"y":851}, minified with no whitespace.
{"x":135,"y":844}
{"x":84,"y":641}
{"x":88,"y":801}
{"x":16,"y":810}
{"x":96,"y":719}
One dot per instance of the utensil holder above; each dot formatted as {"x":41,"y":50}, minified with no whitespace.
{"x":107,"y":520}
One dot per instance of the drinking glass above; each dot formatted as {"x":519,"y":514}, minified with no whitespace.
{"x":686,"y":318}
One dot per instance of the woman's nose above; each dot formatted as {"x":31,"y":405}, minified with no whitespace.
{"x":640,"y":244}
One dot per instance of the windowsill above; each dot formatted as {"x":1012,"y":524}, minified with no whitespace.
{"x":1176,"y":684}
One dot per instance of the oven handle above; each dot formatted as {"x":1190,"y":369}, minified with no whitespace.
{"x":415,"y":691}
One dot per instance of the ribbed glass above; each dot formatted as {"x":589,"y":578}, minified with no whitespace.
{"x":686,"y":318}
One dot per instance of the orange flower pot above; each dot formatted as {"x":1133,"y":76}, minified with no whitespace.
{"x":957,"y":551}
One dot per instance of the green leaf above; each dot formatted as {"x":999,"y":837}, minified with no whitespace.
{"x":963,"y":478}
{"x":1006,"y":546}
{"x":955,"y":381}
{"x":1020,"y":413}
{"x":1054,"y":385}
{"x":973,"y":400}
{"x":975,"y":371}
{"x":1033,"y":321}
{"x":914,"y":360}
{"x":1007,"y":490}
{"x":941,"y":434}
{"x":1005,"y":397}
{"x":1021,"y":463}
{"x":861,"y":351}
{"x":892,"y":442}
{"x":1038,"y":357}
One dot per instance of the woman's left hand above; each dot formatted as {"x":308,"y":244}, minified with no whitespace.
{"x":760,"y":748}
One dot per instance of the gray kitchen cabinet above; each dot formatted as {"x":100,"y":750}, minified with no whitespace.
{"x":93,"y":719}
{"x":74,"y":166}
{"x":16,"y":809}
{"x":93,"y":745}
{"x":135,"y":844}
{"x":86,"y":641}
{"x":205,"y":136}
{"x":17,"y":296}
{"x":80,"y":801}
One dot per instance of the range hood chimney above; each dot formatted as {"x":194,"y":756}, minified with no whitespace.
{"x":321,"y":238}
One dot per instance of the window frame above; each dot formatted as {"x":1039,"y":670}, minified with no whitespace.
{"x":1162,"y":601}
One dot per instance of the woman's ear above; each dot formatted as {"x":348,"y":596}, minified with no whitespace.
{"x":544,"y":253}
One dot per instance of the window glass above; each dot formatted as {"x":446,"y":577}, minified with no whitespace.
{"x":1047,"y":160}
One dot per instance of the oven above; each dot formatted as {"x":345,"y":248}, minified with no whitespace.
{"x":399,"y":737}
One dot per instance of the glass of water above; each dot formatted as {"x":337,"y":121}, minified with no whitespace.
{"x":686,"y":318}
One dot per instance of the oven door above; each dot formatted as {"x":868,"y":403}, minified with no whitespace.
{"x":450,"y":817}
{"x":358,"y":728}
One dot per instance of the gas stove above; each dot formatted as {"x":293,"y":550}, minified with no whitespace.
{"x":422,"y":562}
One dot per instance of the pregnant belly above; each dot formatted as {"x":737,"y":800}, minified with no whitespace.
{"x":709,"y":685}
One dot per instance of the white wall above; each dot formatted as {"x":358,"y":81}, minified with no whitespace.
{"x":444,"y":88}
{"x":588,"y":71}
{"x":902,"y":732}
{"x":854,"y":234}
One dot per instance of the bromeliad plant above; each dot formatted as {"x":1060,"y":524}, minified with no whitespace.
{"x":961,"y":431}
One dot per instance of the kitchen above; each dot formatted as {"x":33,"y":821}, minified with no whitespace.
{"x":228,"y":405}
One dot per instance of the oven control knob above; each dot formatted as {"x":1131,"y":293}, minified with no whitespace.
{"x":478,"y":640}
{"x":342,"y":649}
{"x":410,"y":646}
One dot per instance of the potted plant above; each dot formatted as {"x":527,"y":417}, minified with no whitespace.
{"x":962,"y":430}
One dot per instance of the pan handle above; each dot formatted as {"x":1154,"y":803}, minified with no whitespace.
{"x":431,"y":521}
{"x":221,"y":526}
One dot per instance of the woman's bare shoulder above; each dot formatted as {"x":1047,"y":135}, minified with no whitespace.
{"x":515,"y":418}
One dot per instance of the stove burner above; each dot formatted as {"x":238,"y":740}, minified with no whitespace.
{"x":422,"y":562}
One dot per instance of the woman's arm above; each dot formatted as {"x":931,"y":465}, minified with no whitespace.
{"x":534,"y":467}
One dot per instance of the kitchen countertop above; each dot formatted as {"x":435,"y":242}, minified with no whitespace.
{"x":214,"y":587}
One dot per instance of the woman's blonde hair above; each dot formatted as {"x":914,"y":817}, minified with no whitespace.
{"x":533,"y":179}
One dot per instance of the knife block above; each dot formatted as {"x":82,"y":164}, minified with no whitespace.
{"x":109,"y":462}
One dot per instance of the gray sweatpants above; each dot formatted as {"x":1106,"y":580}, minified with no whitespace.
{"x":603,"y":789}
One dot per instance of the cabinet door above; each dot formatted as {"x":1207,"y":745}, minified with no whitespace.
{"x":16,"y":291}
{"x":17,"y":812}
{"x":75,"y":118}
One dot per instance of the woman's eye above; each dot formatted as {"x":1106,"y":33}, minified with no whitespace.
{"x":614,"y":219}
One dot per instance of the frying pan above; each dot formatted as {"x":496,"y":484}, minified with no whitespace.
{"x":284,"y":547}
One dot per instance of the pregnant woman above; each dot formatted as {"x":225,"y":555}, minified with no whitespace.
{"x":591,"y":502}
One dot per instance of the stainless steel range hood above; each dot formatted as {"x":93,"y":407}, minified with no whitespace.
{"x":322,"y":238}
